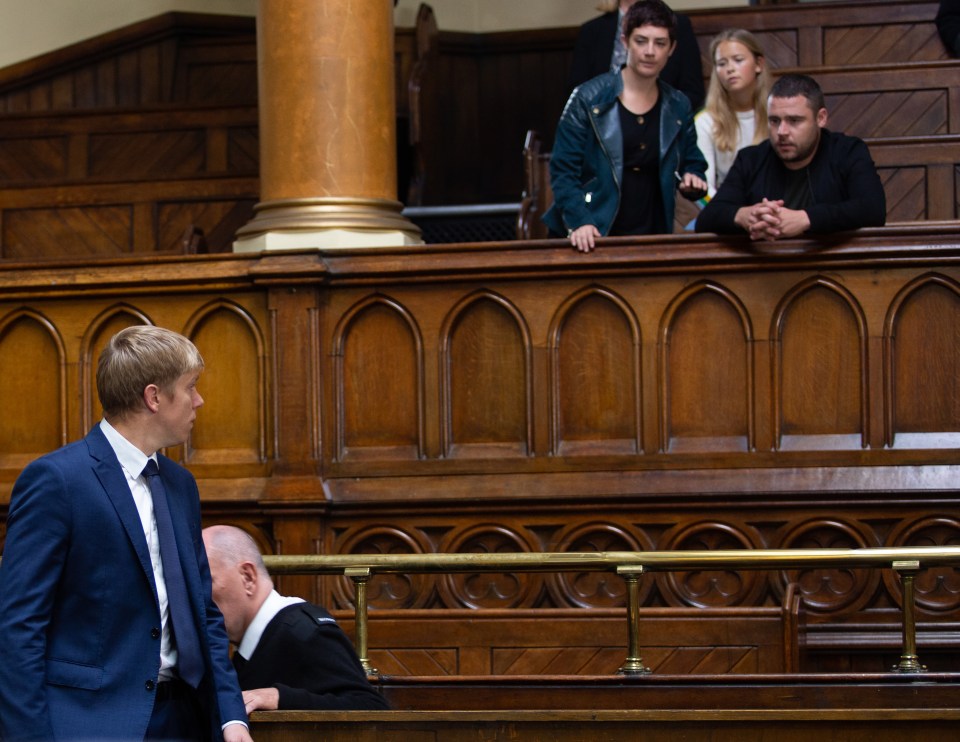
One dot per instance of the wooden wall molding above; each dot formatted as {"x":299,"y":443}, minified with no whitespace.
{"x":308,"y":353}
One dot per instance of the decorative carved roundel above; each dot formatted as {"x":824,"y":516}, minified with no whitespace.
{"x":831,"y":590}
{"x":936,"y":589}
{"x":596,"y":589}
{"x":489,"y":589}
{"x":386,"y":590}
{"x":713,"y":588}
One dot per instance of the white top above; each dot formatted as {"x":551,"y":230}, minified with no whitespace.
{"x":719,"y":163}
{"x":132,"y":460}
{"x":270,"y":607}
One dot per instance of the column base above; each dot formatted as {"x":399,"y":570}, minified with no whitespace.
{"x":326,"y":223}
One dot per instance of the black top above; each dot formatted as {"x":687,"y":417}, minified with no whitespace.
{"x":594,"y":47}
{"x":845,"y":189}
{"x":948,"y":25}
{"x":641,"y":203}
{"x":796,"y":192}
{"x":305,"y":655}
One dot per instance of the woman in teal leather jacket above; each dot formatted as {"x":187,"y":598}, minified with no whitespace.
{"x":625,"y":142}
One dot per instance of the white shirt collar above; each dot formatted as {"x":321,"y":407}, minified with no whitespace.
{"x":274,"y":603}
{"x":131,"y":458}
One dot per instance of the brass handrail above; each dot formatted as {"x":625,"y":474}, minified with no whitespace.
{"x":906,"y":561}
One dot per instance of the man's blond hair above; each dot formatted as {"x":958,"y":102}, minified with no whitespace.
{"x":139,"y":356}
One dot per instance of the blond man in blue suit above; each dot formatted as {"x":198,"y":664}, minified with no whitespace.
{"x":97,"y":645}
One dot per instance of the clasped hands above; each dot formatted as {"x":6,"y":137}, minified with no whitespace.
{"x":771,"y":220}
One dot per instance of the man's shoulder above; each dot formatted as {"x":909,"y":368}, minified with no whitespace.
{"x":839,"y":142}
{"x":302,"y":620}
{"x":73,"y":452}
{"x":755,"y":155}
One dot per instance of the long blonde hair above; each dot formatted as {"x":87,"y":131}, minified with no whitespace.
{"x":726,"y":127}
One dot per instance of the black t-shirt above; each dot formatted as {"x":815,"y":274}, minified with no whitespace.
{"x":641,"y":203}
{"x":796,"y":193}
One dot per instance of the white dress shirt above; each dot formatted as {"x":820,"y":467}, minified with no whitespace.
{"x":132,"y":460}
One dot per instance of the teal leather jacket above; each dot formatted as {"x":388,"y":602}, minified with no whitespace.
{"x":586,"y":165}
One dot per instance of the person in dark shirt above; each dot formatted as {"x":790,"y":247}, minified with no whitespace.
{"x":599,"y":49}
{"x":803,"y":179}
{"x":289,"y":654}
{"x":948,"y":25}
{"x":626,"y":143}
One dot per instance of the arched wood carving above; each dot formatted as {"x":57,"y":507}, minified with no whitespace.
{"x":706,"y":378}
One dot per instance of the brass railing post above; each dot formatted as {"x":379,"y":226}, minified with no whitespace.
{"x":633,"y":664}
{"x":909,"y":661}
{"x":360,"y":577}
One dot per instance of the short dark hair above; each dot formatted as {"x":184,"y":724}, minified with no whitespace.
{"x":790,"y":86}
{"x":652,"y":13}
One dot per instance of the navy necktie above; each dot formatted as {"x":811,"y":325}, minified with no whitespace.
{"x":189,"y":655}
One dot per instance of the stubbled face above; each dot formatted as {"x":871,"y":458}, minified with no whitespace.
{"x":737,"y":67}
{"x":648,"y":48}
{"x":178,"y":409}
{"x":794,"y":129}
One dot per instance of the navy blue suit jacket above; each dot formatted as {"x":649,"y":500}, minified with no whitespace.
{"x":79,"y":614}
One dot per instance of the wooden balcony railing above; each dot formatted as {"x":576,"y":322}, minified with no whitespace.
{"x":360,"y":568}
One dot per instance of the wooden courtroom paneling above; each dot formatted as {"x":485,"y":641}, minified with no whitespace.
{"x":661,"y":393}
{"x":175,"y":57}
{"x":817,"y":696}
{"x":623,"y":366}
{"x":674,"y":641}
{"x":826,"y":34}
{"x":111,"y":219}
{"x":919,"y":176}
{"x":48,"y":402}
{"x":903,"y":100}
{"x":155,"y":143}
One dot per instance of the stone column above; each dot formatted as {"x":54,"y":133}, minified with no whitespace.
{"x":328,"y":158}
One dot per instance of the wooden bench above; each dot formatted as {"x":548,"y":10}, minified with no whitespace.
{"x":577,"y":641}
{"x":114,"y":219}
{"x":919,"y":176}
{"x":891,"y":100}
{"x":131,"y":145}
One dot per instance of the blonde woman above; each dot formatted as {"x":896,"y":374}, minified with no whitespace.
{"x":735,"y":115}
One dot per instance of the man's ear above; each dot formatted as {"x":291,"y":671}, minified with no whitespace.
{"x":249,"y":576}
{"x":151,"y":397}
{"x":822,"y":117}
{"x":673,"y":46}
